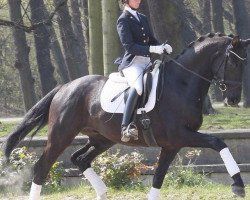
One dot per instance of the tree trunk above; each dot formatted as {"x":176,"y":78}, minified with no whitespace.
{"x":145,"y":9}
{"x":85,"y":24}
{"x":243,"y":29}
{"x":22,"y":56}
{"x":111,"y":44}
{"x":71,"y":46}
{"x":168,"y":23}
{"x":206,"y":17}
{"x":218,"y":26}
{"x":95,"y":37}
{"x":207,"y":108}
{"x":42,"y":44}
{"x":61,"y":66}
{"x":159,"y":15}
{"x":78,"y":30}
{"x":56,"y":50}
{"x":217,"y":9}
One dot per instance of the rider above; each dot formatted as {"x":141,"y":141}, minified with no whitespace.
{"x":138,"y":41}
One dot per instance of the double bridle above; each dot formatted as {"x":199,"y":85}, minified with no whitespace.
{"x":221,"y":82}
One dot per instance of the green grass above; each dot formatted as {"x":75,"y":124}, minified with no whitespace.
{"x":7,"y":127}
{"x":227,"y":118}
{"x":211,"y":192}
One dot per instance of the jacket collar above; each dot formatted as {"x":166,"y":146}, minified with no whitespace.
{"x":132,"y":17}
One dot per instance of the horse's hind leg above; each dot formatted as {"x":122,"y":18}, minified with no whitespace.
{"x":165,"y":159}
{"x":83,"y":158}
{"x":196,"y":139}
{"x":61,"y":134}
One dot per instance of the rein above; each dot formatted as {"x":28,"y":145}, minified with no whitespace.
{"x":221,"y":83}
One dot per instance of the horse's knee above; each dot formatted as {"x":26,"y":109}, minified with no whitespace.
{"x":217,"y":144}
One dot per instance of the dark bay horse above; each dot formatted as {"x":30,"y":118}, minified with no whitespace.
{"x":176,"y":118}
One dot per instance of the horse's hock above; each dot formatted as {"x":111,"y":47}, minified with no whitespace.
{"x":208,"y":162}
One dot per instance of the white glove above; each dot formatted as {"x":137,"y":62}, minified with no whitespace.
{"x":156,"y":49}
{"x":168,"y":48}
{"x":160,"y":49}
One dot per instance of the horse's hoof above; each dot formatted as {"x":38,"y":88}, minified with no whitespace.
{"x":238,"y":190}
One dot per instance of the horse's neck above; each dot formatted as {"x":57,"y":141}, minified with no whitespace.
{"x":188,"y":84}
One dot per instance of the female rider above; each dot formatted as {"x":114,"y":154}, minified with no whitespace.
{"x":138,"y":41}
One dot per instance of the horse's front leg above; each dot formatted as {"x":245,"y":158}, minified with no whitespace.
{"x":166,"y":157}
{"x":196,"y":139}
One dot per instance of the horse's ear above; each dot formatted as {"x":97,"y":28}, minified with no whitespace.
{"x":235,"y":41}
{"x":245,"y":42}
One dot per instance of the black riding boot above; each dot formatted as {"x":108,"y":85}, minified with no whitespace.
{"x":129,"y":130}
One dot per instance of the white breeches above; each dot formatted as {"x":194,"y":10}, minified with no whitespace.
{"x":134,"y":72}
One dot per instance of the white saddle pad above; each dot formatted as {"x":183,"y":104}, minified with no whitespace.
{"x":115,"y":85}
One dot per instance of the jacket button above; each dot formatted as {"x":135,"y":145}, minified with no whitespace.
{"x":144,"y":41}
{"x":144,"y":34}
{"x":142,"y":28}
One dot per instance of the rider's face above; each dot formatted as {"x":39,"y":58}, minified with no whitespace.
{"x":134,"y":4}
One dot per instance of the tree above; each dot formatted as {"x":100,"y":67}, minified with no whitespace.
{"x":42,"y":44}
{"x":56,"y":50}
{"x":243,"y":29}
{"x":95,"y":37}
{"x":207,"y":28}
{"x":85,"y":24}
{"x":111,"y":45}
{"x":206,"y":17}
{"x":169,"y":22}
{"x":71,"y":46}
{"x":145,"y":9}
{"x":217,"y":10}
{"x":159,"y":15}
{"x":22,"y":56}
{"x":78,"y":30}
{"x":55,"y":46}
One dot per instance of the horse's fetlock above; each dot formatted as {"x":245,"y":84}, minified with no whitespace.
{"x":238,"y":180}
{"x":81,"y":162}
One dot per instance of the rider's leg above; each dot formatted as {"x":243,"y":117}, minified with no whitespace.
{"x":129,"y":129}
{"x":134,"y":75}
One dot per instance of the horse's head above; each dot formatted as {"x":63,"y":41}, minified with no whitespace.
{"x":229,"y":70}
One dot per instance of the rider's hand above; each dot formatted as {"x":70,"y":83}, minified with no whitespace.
{"x":168,"y":48}
{"x":160,"y":49}
{"x":157,"y":49}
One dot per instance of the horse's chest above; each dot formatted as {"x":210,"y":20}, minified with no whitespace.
{"x":193,"y":118}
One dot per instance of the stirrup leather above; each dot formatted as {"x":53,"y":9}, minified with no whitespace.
{"x":129,"y":132}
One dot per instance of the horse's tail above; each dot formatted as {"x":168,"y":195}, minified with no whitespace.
{"x":37,"y":116}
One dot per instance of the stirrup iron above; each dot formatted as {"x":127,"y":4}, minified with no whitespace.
{"x":129,"y":132}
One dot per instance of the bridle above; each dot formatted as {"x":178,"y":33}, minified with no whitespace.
{"x":221,"y":82}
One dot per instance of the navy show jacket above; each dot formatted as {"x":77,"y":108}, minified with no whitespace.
{"x":135,"y":36}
